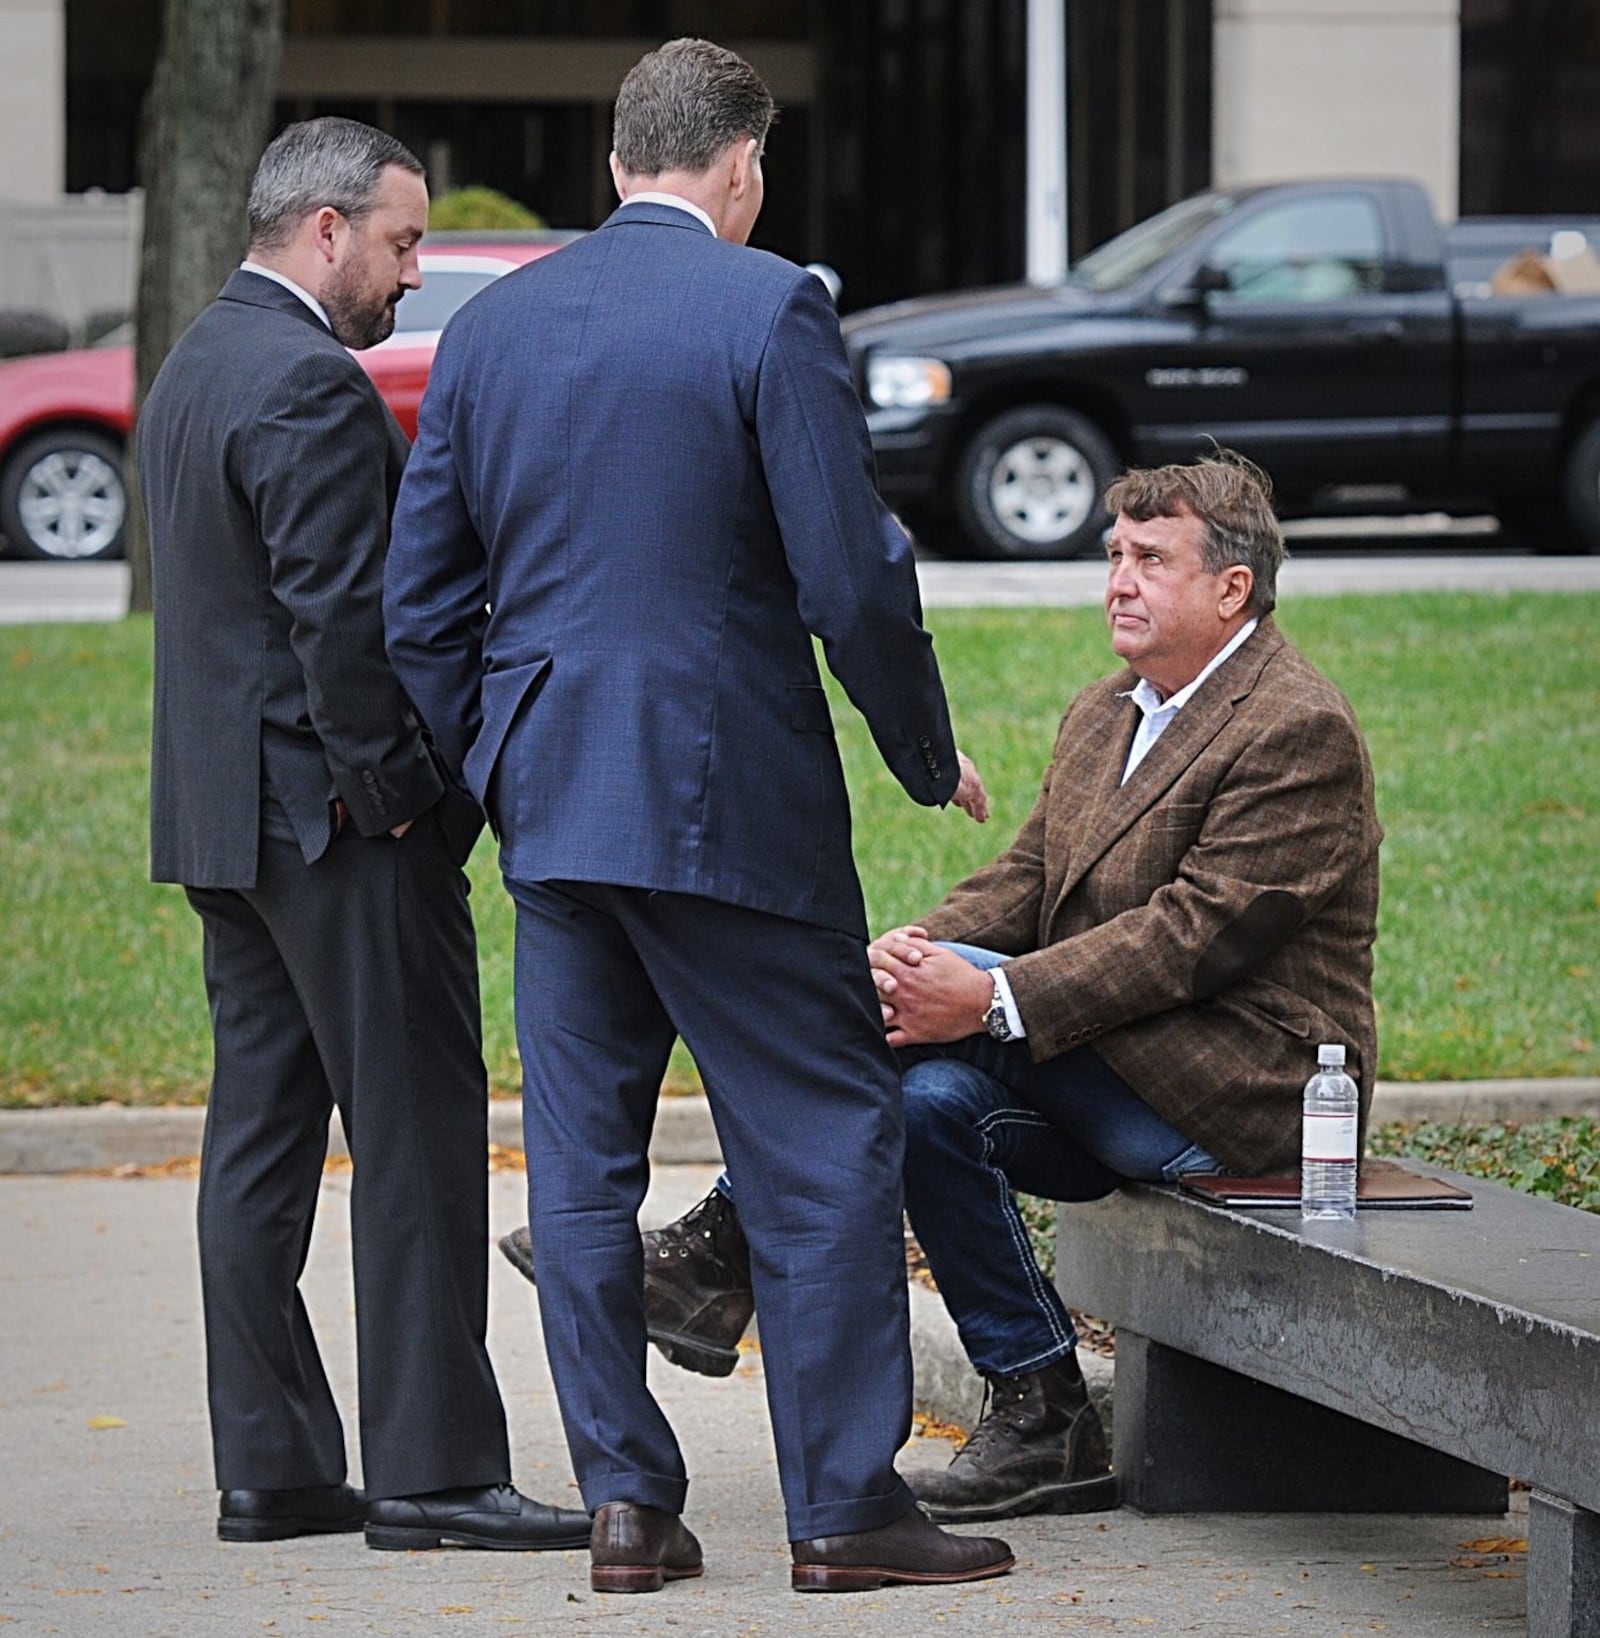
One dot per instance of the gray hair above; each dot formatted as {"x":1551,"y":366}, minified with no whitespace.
{"x":681,"y":107}
{"x":328,"y":161}
{"x":1232,"y":498}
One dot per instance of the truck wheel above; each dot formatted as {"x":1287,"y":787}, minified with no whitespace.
{"x":1581,"y":490}
{"x":1030,"y":483}
{"x":62,"y":496}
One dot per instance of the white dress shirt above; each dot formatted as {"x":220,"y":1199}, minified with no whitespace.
{"x":677,"y":201}
{"x":288,"y":284}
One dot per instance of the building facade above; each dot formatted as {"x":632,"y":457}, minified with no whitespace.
{"x":900,"y":154}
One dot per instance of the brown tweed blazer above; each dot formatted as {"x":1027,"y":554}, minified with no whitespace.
{"x":1207,"y":924}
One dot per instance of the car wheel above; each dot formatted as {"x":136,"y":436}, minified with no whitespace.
{"x":62,"y":496}
{"x":1581,"y":490}
{"x":1029,"y":485}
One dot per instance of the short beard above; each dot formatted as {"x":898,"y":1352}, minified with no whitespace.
{"x":356,"y":320}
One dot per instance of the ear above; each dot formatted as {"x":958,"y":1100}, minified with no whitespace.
{"x":618,"y":176}
{"x":746,"y":158}
{"x":1237,"y":584}
{"x":327,"y":228}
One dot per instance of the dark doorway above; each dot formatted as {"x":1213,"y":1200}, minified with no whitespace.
{"x":1530,"y":106}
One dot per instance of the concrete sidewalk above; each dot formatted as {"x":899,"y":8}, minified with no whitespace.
{"x":107,"y":1531}
{"x":107,"y":1137}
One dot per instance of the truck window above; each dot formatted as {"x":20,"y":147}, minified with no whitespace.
{"x":1321,"y":249}
{"x":1120,"y":261}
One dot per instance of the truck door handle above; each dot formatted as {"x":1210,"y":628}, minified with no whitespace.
{"x":1379,"y":330}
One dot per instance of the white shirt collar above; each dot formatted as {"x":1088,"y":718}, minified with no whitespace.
{"x":1148,"y":698}
{"x":311,"y":301}
{"x":677,"y":201}
{"x":1157,"y":713}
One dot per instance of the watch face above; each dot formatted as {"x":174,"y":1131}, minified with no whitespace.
{"x":996,"y":1023}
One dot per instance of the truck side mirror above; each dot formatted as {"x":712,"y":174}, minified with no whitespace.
{"x":1205,"y":282}
{"x":831,"y":281}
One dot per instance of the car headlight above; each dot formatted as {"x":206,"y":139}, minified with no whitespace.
{"x":907,"y":383}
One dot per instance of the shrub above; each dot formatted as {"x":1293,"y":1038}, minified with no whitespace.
{"x":480,"y":208}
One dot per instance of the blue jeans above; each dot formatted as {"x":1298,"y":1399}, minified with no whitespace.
{"x":982,"y":1119}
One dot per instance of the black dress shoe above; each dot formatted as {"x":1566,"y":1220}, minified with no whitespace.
{"x":697,"y":1295}
{"x":635,"y":1549}
{"x":912,"y":1550}
{"x":278,"y":1515}
{"x":497,"y":1517}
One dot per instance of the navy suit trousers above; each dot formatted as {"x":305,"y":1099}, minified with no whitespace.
{"x":783,"y":1022}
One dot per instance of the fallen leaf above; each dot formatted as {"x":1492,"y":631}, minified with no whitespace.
{"x":931,"y":1429}
{"x":100,"y":1423}
{"x":1496,"y":1544}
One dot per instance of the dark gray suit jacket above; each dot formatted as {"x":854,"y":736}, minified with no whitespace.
{"x":269,"y":466}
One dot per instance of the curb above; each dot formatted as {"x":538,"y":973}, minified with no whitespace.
{"x":946,"y":1389}
{"x":101,"y":1136}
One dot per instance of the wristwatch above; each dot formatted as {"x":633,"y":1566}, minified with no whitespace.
{"x":995,"y":1020}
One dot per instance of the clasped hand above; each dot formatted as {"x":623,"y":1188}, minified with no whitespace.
{"x":928,"y":994}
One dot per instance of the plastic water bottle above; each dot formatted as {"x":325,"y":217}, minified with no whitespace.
{"x":1328,"y":1139}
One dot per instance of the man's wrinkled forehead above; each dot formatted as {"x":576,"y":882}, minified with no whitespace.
{"x":1128,"y":527}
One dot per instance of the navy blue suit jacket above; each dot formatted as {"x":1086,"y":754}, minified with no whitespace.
{"x":644,"y":457}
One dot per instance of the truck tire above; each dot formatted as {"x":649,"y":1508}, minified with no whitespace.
{"x":1029,"y":484}
{"x":1581,"y":490}
{"x":62,"y":496}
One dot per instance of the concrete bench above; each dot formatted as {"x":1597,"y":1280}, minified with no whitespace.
{"x":1406,"y":1362}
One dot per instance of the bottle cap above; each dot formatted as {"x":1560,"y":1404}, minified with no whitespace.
{"x":1330,"y":1054}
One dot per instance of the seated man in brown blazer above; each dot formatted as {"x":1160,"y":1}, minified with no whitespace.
{"x":1135,"y":988}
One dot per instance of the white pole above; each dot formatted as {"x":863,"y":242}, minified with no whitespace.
{"x":1047,"y":141}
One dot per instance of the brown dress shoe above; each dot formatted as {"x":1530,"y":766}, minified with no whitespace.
{"x":912,"y":1549}
{"x":635,"y":1549}
{"x":1039,"y":1448}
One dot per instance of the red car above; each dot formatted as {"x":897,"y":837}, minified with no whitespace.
{"x":65,"y":417}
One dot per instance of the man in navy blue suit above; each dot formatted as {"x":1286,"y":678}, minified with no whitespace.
{"x":642,"y":484}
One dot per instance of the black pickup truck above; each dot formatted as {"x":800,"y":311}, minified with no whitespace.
{"x":1330,"y":330}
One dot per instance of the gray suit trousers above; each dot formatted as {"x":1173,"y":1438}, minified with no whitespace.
{"x":353,"y":982}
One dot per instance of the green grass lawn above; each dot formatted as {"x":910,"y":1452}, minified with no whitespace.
{"x":1483,"y":714}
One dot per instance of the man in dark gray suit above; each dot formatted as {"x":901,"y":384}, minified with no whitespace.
{"x":296,"y":798}
{"x":642,"y":483}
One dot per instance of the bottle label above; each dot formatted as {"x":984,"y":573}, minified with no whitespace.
{"x":1328,"y":1137}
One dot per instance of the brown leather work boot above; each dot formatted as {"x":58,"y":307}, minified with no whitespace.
{"x":1040,"y":1448}
{"x":697,"y":1296}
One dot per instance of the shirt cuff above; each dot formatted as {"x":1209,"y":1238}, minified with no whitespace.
{"x":1002,"y":988}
